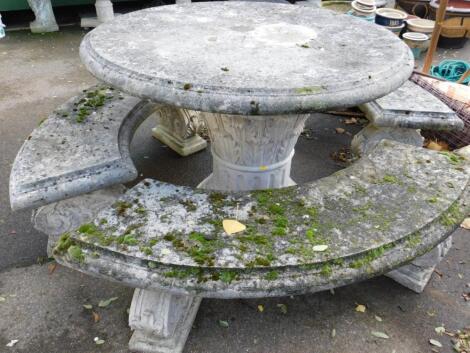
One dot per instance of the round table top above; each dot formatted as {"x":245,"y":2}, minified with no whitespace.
{"x":247,"y":58}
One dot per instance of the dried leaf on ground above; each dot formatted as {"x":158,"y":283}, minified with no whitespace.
{"x":343,"y":155}
{"x":232,"y":226}
{"x":466,"y":223}
{"x":340,"y":130}
{"x":333,"y":333}
{"x":96,"y":316}
{"x":88,"y":306}
{"x":51,"y":267}
{"x":223,"y":323}
{"x":379,"y":334}
{"x":350,"y":121}
{"x":308,"y":133}
{"x":435,"y":343}
{"x":440,"y":330}
{"x":12,"y":343}
{"x":2,"y":299}
{"x":361,"y":308}
{"x":378,"y":318}
{"x":462,"y":341}
{"x":283,"y":308}
{"x":106,"y":302}
{"x":436,"y":145}
{"x":466,"y":296}
{"x":98,"y":340}
{"x":260,"y":308}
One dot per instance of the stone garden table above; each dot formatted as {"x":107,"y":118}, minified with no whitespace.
{"x":253,"y":70}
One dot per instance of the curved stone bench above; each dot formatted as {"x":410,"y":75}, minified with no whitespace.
{"x":83,"y":146}
{"x":390,"y":207}
{"x":398,"y":115}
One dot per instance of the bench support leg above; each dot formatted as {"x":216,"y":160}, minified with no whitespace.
{"x":45,"y":20}
{"x":371,"y":135}
{"x":64,"y":216}
{"x":177,"y":128}
{"x":104,"y":13}
{"x":161,"y":321}
{"x":417,"y":274}
{"x":251,"y":152}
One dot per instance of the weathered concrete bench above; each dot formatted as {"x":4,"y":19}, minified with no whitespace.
{"x":399,"y":115}
{"x":83,"y":146}
{"x":392,"y":206}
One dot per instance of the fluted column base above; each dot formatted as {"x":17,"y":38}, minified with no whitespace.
{"x":251,"y":152}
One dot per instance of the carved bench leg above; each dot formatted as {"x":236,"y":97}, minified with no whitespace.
{"x":45,"y":20}
{"x":104,"y":13}
{"x":417,"y":273}
{"x":161,"y":321}
{"x":63,"y":216}
{"x":371,"y":135}
{"x":177,"y":128}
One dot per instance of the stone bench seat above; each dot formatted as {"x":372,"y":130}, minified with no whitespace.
{"x":82,"y":146}
{"x":393,"y":205}
{"x":399,"y":114}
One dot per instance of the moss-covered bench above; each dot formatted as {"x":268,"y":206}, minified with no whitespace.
{"x":392,"y":206}
{"x":81,"y":147}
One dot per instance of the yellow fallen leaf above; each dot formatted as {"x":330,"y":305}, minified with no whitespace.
{"x":340,"y":130}
{"x":466,"y":223}
{"x":350,"y":121}
{"x":260,"y":308}
{"x":96,"y":316}
{"x":320,"y":247}
{"x":232,"y":226}
{"x":434,"y":146}
{"x":51,"y":267}
{"x":361,"y":308}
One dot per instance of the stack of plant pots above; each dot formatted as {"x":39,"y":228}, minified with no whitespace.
{"x":418,"y":35}
{"x":364,"y":9}
{"x":392,"y":19}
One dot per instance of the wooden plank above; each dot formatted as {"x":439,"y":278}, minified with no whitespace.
{"x":441,"y":11}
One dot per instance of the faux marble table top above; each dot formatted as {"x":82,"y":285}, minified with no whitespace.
{"x":247,"y":58}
